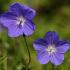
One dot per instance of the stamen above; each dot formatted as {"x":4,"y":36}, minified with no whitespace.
{"x":20,"y":21}
{"x":51,"y":49}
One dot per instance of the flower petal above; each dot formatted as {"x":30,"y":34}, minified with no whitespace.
{"x":29,"y":13}
{"x":29,"y":28}
{"x":43,"y":57}
{"x":51,"y":37}
{"x":7,"y":19}
{"x":57,"y":58}
{"x":24,"y":10}
{"x":40,"y":44}
{"x":62,"y":46}
{"x":14,"y":31}
{"x":16,"y":8}
{"x":1,"y":28}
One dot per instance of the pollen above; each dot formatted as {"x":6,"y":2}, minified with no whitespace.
{"x":51,"y":49}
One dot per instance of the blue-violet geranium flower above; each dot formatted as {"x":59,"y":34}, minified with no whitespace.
{"x":18,"y":20}
{"x":1,"y":27}
{"x":51,"y":48}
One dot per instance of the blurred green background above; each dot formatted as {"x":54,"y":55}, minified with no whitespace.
{"x":51,"y":15}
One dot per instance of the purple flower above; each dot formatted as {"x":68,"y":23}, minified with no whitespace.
{"x":18,"y":20}
{"x":1,"y":27}
{"x":51,"y":48}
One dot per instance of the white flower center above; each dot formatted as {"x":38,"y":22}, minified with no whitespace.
{"x":51,"y":49}
{"x":20,"y":21}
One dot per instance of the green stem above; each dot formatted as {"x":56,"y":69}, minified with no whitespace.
{"x":28,"y":52}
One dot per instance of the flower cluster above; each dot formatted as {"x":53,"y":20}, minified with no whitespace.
{"x":18,"y":21}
